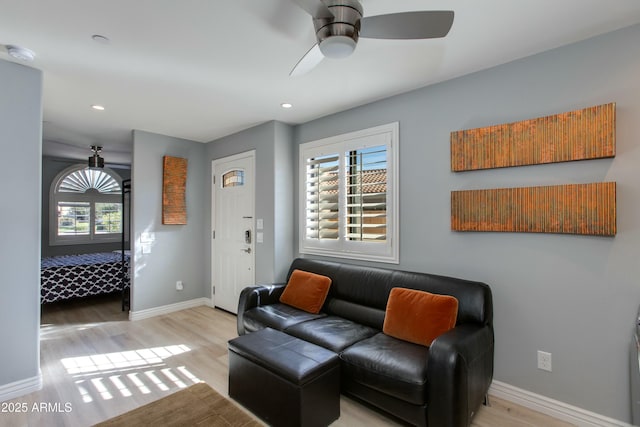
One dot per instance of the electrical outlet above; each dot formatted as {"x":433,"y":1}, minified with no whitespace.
{"x":544,"y":360}
{"x":179,"y":285}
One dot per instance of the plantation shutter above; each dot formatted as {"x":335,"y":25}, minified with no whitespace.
{"x":322,"y":197}
{"x":87,"y":179}
{"x":348,"y":195}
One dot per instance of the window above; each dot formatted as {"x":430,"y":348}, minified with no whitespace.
{"x":85,"y":206}
{"x":234,"y":178}
{"x":349,"y":195}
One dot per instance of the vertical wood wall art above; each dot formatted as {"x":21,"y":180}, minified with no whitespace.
{"x":571,"y":209}
{"x":174,"y":185}
{"x":589,"y":133}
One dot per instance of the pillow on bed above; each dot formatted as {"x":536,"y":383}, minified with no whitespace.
{"x":306,"y":291}
{"x":419,"y":317}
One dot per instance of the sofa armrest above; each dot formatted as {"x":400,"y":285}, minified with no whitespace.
{"x":253,"y":296}
{"x":460,"y":371}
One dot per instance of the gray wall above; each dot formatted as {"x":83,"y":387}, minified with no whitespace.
{"x":20,"y":171}
{"x":284,"y":209}
{"x":176,"y":251}
{"x":573,"y":296}
{"x":51,"y":167}
{"x":272,"y":142}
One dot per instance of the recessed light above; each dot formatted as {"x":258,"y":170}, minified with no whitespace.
{"x":98,"y":107}
{"x":286,"y":105}
{"x":99,"y":38}
{"x":20,"y":53}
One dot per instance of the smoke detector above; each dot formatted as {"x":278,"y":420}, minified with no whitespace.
{"x":20,"y":53}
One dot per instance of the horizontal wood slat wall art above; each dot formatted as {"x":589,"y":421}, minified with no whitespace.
{"x":571,"y":209}
{"x":584,"y":134}
{"x":174,"y":186}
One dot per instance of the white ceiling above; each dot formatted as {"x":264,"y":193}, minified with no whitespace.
{"x":203,"y":69}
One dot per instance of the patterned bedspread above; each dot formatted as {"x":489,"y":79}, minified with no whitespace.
{"x":71,"y":276}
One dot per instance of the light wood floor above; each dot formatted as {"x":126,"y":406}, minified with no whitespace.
{"x":96,"y":364}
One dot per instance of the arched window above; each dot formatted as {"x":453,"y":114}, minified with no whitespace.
{"x":85,"y":206}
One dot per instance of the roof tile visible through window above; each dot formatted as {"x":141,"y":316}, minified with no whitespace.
{"x":373,"y":176}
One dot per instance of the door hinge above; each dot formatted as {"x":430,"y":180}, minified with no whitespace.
{"x":213,"y":291}
{"x":213,"y":234}
{"x":214,"y":179}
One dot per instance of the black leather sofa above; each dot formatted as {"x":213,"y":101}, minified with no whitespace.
{"x":438,"y":386}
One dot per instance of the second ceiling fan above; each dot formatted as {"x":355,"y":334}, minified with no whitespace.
{"x":339,"y":24}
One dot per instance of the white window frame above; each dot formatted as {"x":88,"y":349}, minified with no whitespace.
{"x":90,"y":197}
{"x":387,"y":251}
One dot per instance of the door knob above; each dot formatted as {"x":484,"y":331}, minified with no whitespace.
{"x":247,"y":250}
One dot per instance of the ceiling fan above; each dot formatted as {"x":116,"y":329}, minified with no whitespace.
{"x":339,"y":24}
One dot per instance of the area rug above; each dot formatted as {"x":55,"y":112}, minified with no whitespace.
{"x":198,"y":405}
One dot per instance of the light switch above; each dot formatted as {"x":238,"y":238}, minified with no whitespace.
{"x":259,"y":237}
{"x":146,"y":237}
{"x":259,"y":224}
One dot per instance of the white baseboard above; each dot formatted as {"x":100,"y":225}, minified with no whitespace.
{"x":20,"y":388}
{"x":560,"y":410}
{"x":170,"y":308}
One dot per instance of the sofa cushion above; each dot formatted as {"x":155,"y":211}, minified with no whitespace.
{"x":362,"y":314}
{"x":419,"y":317}
{"x":306,"y":291}
{"x":389,"y":365}
{"x":334,"y":333}
{"x":276,"y":316}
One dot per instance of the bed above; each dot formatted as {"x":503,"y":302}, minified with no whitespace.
{"x":73,"y":276}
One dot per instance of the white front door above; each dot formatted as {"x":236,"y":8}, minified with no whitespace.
{"x":233,"y":248}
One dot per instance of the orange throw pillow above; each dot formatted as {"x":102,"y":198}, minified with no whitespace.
{"x":306,"y":291}
{"x":419,"y":317}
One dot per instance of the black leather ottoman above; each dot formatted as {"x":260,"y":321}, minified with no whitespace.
{"x":284,"y":380}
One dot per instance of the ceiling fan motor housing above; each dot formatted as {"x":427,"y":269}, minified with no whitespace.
{"x":338,"y":36}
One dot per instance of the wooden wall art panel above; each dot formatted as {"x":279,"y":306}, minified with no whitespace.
{"x":174,"y":186}
{"x":589,"y":133}
{"x":571,"y":209}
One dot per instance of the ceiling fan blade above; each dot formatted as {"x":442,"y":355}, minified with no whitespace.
{"x":408,"y":25}
{"x":315,"y":8}
{"x":308,"y":62}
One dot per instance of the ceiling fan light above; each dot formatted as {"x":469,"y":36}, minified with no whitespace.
{"x":337,"y":47}
{"x":95,"y":161}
